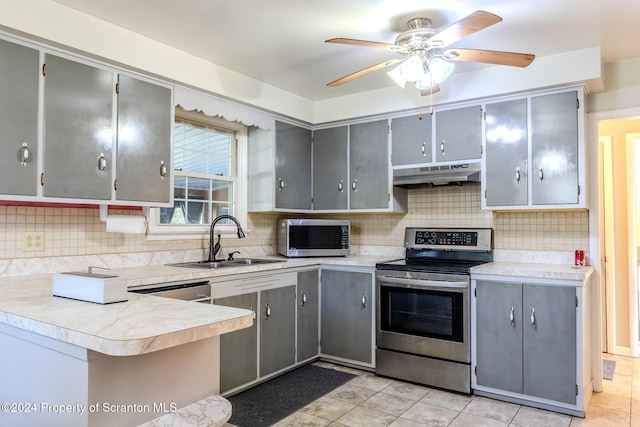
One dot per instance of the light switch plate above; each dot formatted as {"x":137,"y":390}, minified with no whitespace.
{"x":33,"y":241}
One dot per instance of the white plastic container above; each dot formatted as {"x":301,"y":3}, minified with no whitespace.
{"x":92,"y":287}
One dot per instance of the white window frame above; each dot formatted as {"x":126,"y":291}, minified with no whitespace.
{"x":155,"y":231}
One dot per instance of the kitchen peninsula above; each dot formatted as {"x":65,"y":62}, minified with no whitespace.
{"x":74,"y":363}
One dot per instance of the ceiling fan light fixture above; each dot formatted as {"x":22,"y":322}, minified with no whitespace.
{"x":440,"y":70}
{"x":396,"y":76}
{"x":412,"y":69}
{"x":450,"y":55}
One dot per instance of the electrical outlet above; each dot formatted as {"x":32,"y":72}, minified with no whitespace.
{"x":33,"y":241}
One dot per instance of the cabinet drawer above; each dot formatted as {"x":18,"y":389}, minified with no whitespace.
{"x":240,"y":284}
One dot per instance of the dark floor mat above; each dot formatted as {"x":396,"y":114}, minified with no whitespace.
{"x":269,"y":402}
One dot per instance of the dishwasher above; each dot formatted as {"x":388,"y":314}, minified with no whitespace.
{"x":196,"y":291}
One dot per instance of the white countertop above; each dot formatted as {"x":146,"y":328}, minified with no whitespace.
{"x":141,"y":325}
{"x":535,"y":271}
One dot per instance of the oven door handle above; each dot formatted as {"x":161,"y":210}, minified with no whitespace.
{"x":423,"y":283}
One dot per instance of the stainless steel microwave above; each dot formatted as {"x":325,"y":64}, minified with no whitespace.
{"x":314,"y":237}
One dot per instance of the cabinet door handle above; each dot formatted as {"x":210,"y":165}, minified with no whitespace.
{"x":533,"y":317}
{"x":163,"y":169}
{"x":442,"y":147}
{"x":280,"y":184}
{"x":540,"y":175}
{"x":267,"y":311}
{"x":102,"y":163}
{"x":512,"y":317}
{"x":24,"y":155}
{"x":303,"y":299}
{"x":341,"y":185}
{"x":423,"y":149}
{"x":364,"y":300}
{"x":517,"y":175}
{"x":354,"y":185}
{"x":253,"y":310}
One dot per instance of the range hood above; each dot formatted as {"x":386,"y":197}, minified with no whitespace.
{"x":432,"y":176}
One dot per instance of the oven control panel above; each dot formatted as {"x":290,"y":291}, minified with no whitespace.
{"x":440,"y":238}
{"x":459,"y":238}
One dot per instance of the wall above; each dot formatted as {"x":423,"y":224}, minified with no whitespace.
{"x":78,"y":232}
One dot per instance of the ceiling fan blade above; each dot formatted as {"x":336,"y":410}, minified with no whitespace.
{"x":433,"y":89}
{"x":366,"y":43}
{"x":364,"y":71}
{"x":489,"y":57}
{"x":478,"y":20}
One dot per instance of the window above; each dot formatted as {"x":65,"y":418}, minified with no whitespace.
{"x":209,"y":161}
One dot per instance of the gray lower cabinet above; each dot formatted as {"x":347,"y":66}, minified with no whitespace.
{"x":331,"y":168}
{"x":526,"y":339}
{"x":346,"y":321}
{"x":411,"y":140}
{"x":458,"y":134}
{"x":19,"y":68}
{"x":78,"y":130}
{"x":277,"y":316}
{"x":239,"y":349}
{"x":143,"y":161}
{"x":308,"y":306}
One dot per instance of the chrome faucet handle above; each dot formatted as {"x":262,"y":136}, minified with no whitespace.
{"x":230,"y":256}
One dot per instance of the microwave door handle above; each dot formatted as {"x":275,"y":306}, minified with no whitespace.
{"x":423,"y":283}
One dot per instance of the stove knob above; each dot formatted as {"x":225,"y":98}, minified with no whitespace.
{"x":432,"y":241}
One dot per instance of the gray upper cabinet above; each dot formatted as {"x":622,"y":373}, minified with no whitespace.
{"x":346,"y":315}
{"x":78,"y":130}
{"x":293,"y":167}
{"x":277,"y":329}
{"x":554,"y":149}
{"x":331,"y":168}
{"x":143,"y":162}
{"x":369,"y":165}
{"x":411,"y":140}
{"x":526,"y":339}
{"x":308,"y":303}
{"x":458,"y":134}
{"x":506,"y":147}
{"x":19,"y":74}
{"x":534,"y":152}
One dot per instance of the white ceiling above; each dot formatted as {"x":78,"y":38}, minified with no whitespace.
{"x":281,"y":42}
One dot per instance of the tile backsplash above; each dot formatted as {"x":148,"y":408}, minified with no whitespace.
{"x":79,"y":231}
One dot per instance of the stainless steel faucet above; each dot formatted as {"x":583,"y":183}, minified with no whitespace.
{"x":214,"y":248}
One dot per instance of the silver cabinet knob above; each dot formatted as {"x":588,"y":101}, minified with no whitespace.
{"x":423,"y":149}
{"x":540,"y":175}
{"x":163,"y":169}
{"x":517,"y":175}
{"x":533,"y":317}
{"x":267,"y":312}
{"x":341,"y":186}
{"x":354,"y":185}
{"x":442,"y":147}
{"x":24,"y":154}
{"x":280,"y":184}
{"x":512,"y":317}
{"x":102,"y":162}
{"x":303,"y":299}
{"x":364,"y":300}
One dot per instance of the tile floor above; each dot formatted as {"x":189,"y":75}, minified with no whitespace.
{"x":371,"y":401}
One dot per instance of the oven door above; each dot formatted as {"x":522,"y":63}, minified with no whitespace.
{"x":425,"y":314}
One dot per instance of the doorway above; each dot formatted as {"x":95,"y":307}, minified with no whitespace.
{"x":618,"y":173}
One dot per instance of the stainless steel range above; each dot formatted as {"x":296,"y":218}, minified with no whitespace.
{"x":423,"y":308}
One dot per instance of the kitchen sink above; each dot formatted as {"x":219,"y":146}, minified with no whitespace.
{"x":224,"y":263}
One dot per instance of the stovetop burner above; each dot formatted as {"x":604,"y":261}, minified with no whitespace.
{"x":430,"y":266}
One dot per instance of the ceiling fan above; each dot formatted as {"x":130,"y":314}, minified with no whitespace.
{"x":424,"y":59}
